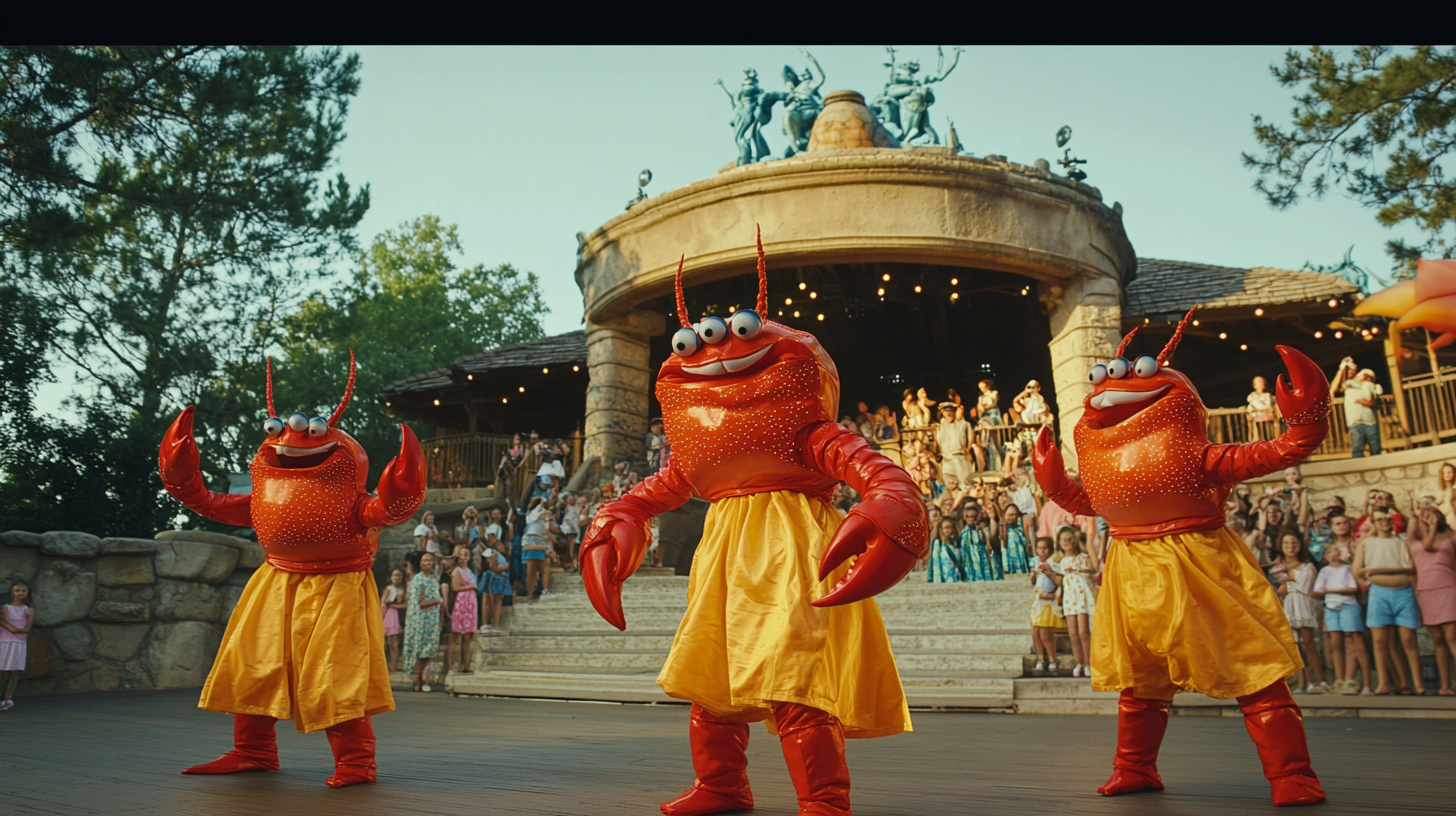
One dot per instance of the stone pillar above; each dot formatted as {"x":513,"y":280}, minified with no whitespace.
{"x":617,"y":355}
{"x":1086,"y":322}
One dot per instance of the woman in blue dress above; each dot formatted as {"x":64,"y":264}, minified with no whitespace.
{"x":1015,"y":557}
{"x":981,"y":563}
{"x":946,"y":564}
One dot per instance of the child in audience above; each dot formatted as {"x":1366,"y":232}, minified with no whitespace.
{"x":1077,"y":599}
{"x":495,"y":584}
{"x":1046,"y":613}
{"x":15,"y":621}
{"x":945,"y":562}
{"x":1296,"y":585}
{"x":1343,"y":620}
{"x":391,"y":601}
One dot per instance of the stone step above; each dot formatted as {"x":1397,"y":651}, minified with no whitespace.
{"x":910,"y":664}
{"x":1011,"y":643}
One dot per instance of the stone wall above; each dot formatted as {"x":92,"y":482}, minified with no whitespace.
{"x":1402,"y":474}
{"x":125,"y":613}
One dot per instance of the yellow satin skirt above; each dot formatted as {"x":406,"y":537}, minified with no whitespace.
{"x":309,"y":648}
{"x":1188,"y":612}
{"x":750,"y":637}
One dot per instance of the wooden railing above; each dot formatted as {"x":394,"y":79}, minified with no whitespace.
{"x":1232,"y":425}
{"x":997,"y":435}
{"x":1430,"y":403}
{"x":475,"y":460}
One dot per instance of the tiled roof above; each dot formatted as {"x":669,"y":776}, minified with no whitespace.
{"x":557,"y":349}
{"x":1174,"y":287}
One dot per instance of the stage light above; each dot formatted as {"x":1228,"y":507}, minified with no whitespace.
{"x":954,"y":296}
{"x":1334,"y":303}
{"x":437,"y":402}
{"x":813,"y":295}
{"x":545,"y":371}
{"x":1375,"y":330}
{"x":796,"y":314}
{"x":788,"y":301}
{"x":1259,"y":312}
{"x":576,"y":368}
{"x":469,"y":376}
{"x":522,"y":389}
{"x":885,"y":277}
{"x":1318,"y":335}
{"x":917,"y":290}
{"x":1195,"y":322}
{"x":881,"y":291}
{"x":1223,"y":335}
{"x":821,"y":317}
{"x":1243,"y":347}
{"x":503,"y":400}
{"x":803,"y":286}
{"x":781,"y":312}
{"x":1339,"y":335}
{"x":955,"y":281}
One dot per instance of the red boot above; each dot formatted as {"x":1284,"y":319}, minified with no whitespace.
{"x":813,"y":743}
{"x":1140,"y":727}
{"x":255,"y":748}
{"x":720,"y":764}
{"x":1277,"y":727}
{"x":353,"y":744}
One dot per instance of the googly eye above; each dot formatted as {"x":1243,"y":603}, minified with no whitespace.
{"x":713,"y":330}
{"x":1117,"y":369}
{"x":1145,"y":366}
{"x":745,"y":324}
{"x":273,"y":426}
{"x":318,"y":426}
{"x":685,"y":342}
{"x":298,"y":422}
{"x":1098,"y":375}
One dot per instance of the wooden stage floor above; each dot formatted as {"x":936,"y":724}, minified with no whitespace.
{"x":120,"y":753}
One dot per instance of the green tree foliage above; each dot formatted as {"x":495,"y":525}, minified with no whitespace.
{"x":1381,"y":124}
{"x":407,"y":309}
{"x":160,"y":205}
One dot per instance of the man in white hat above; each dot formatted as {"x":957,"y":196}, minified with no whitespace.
{"x":1362,"y":393}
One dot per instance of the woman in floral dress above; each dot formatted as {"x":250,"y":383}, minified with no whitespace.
{"x":422,"y":617}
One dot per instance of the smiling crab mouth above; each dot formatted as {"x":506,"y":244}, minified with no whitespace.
{"x":717,"y":368}
{"x":290,"y":457}
{"x":1107,"y":399}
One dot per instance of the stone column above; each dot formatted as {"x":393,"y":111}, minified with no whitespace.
{"x":1086,"y":322}
{"x":617,"y":355}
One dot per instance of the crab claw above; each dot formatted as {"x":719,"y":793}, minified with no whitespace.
{"x":1304,"y":397}
{"x":1046,"y":461}
{"x":178,"y":458}
{"x":401,"y":488}
{"x":879,"y":561}
{"x":609,"y":556}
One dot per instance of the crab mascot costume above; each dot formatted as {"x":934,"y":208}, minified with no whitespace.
{"x":778,"y":626}
{"x":305,"y":641}
{"x":1184,"y":605}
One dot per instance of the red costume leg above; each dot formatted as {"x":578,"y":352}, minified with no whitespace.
{"x":720,"y":765}
{"x":255,"y":748}
{"x":1140,"y":727}
{"x":813,"y":743}
{"x":353,"y":744}
{"x":1277,"y":727}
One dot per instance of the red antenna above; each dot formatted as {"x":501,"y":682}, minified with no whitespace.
{"x":762,"y":276}
{"x":682,"y":309}
{"x":271,"y":412}
{"x":1177,"y":336}
{"x":1127,"y":338}
{"x":348,"y":392}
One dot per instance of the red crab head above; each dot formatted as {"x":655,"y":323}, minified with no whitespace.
{"x":1123,"y":388}
{"x":299,"y":444}
{"x":745,"y":362}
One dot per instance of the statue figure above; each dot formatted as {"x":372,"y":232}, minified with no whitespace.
{"x":752,"y":108}
{"x":910,"y":95}
{"x":801,"y":104}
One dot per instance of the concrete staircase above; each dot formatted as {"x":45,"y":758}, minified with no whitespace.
{"x":956,"y":645}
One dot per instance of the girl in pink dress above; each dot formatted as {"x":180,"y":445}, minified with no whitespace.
{"x":464,"y":618}
{"x":1435,"y":561}
{"x":391,"y":601}
{"x":15,"y":621}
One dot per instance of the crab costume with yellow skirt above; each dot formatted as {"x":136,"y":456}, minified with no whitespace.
{"x":778,"y":627}
{"x":305,"y":640}
{"x":1184,"y":605}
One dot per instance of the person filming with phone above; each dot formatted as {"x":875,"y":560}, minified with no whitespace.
{"x":1362,"y":394}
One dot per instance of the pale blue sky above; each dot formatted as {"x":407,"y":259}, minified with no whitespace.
{"x":524,"y":147}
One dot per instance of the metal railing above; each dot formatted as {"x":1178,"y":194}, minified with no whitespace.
{"x":482,"y":460}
